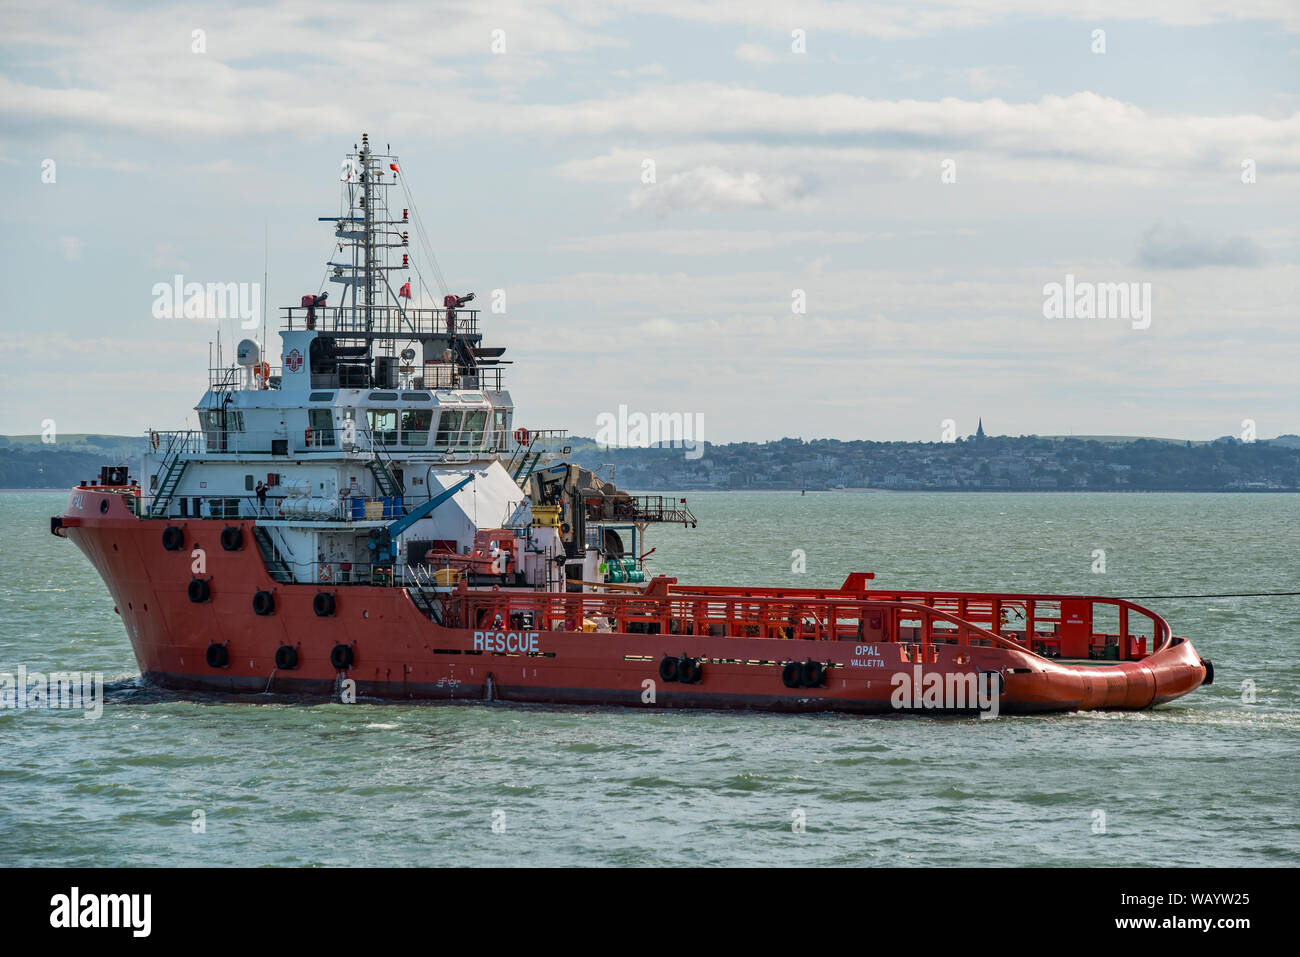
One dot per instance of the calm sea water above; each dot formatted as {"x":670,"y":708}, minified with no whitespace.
{"x":1208,"y":780}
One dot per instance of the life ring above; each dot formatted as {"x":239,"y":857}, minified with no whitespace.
{"x":263,"y":372}
{"x":325,"y":572}
{"x":521,"y":436}
{"x":154,"y":439}
{"x":306,"y":435}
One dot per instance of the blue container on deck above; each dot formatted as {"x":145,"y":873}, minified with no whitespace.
{"x":358,"y":509}
{"x":398,"y":508}
{"x":388,"y":506}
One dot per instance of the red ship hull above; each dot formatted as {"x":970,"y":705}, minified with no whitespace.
{"x":398,"y":652}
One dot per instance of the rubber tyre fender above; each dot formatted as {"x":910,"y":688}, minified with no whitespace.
{"x":689,"y":670}
{"x":232,"y":538}
{"x":199,"y":590}
{"x":173,"y":537}
{"x":263,"y":603}
{"x":217,"y":656}
{"x":286,"y":658}
{"x":792,"y":674}
{"x":341,"y":657}
{"x":1209,"y":671}
{"x":668,"y":668}
{"x":812,"y":673}
{"x":323,"y":605}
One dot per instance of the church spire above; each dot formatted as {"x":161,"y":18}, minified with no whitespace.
{"x":979,"y":432}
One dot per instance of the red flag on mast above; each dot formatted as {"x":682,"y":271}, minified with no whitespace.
{"x":405,"y":291}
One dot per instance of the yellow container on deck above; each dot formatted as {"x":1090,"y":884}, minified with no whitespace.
{"x":546,"y":514}
{"x":374,"y":511}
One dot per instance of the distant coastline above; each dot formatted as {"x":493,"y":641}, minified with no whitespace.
{"x":1026,"y":463}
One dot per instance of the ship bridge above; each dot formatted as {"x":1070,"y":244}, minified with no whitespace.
{"x":375,"y":390}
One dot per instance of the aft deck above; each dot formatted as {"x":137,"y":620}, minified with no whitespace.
{"x":1067,"y":627}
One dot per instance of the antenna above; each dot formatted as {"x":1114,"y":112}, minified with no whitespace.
{"x":266,"y":256}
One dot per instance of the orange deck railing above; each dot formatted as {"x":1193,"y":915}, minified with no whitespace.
{"x":1050,"y":625}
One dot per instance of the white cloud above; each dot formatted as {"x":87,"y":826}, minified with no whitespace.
{"x":710,"y":242}
{"x":1176,"y":247}
{"x":649,"y":69}
{"x":893,"y":19}
{"x":307,"y":67}
{"x":166,"y":257}
{"x":755,"y":53}
{"x":982,"y":79}
{"x":1080,"y":126}
{"x":712,"y":188}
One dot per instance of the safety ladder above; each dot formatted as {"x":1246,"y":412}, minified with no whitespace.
{"x":162,"y":498}
{"x":275,"y":566}
{"x":430,"y":604}
{"x":381,"y":467}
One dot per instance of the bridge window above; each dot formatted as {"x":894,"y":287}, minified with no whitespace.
{"x":448,"y":428}
{"x":322,"y":427}
{"x":415,"y":426}
{"x":471,"y":432}
{"x":383,"y":425}
{"x":416,"y":397}
{"x":321,"y":397}
{"x":219,"y":421}
{"x":500,"y":427}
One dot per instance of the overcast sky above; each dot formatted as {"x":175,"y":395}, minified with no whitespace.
{"x":775,"y":171}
